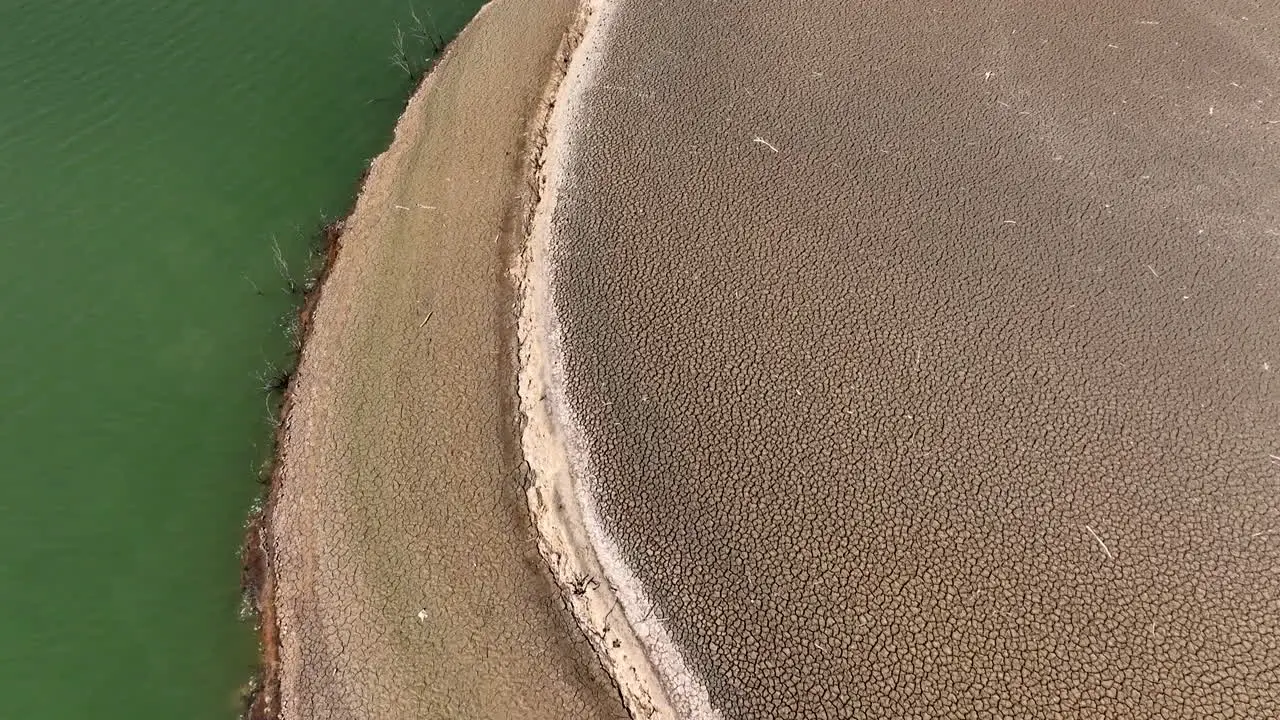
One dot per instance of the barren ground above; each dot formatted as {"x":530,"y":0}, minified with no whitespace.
{"x":927,"y":353}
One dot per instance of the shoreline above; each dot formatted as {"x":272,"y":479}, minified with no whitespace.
{"x":280,"y":677}
{"x":262,"y":702}
{"x":615,"y":614}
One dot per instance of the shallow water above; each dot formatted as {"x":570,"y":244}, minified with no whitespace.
{"x":149,"y":153}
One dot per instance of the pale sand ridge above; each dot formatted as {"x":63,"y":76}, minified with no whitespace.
{"x":607,"y":599}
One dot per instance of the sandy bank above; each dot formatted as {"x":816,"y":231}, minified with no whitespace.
{"x":607,"y":601}
{"x":404,"y":572}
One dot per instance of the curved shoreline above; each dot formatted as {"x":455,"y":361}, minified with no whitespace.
{"x":383,"y":587}
{"x":615,"y":614}
{"x":257,"y":581}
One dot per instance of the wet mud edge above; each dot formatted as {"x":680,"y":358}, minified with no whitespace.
{"x":257,"y":579}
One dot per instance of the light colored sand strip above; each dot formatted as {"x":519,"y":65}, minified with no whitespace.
{"x":607,"y":599}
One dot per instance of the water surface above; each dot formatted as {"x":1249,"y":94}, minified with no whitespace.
{"x":149,"y":153}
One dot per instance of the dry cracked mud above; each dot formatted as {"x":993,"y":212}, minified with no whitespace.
{"x":927,"y":352}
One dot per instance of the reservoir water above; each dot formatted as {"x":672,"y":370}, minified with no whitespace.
{"x":150,"y":153}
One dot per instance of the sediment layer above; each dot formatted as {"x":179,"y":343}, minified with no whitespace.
{"x":921,"y":359}
{"x":404,"y":577}
{"x":604,"y":597}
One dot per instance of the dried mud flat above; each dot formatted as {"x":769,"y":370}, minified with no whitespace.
{"x":404,"y":579}
{"x":921,"y":360}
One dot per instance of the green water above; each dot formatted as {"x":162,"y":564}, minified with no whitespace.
{"x":148,"y":153}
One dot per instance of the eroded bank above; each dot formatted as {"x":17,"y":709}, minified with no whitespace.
{"x":404,"y":577}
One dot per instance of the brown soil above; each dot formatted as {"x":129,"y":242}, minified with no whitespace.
{"x":927,"y":353}
{"x":404,"y":579}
